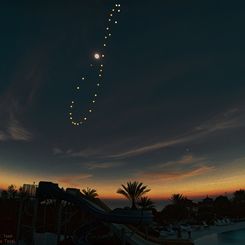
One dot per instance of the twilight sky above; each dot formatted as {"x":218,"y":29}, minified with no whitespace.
{"x":171,"y":112}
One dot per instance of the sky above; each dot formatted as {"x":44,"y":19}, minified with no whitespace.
{"x":170,"y":112}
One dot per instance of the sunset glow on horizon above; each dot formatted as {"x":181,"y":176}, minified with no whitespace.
{"x":161,"y":190}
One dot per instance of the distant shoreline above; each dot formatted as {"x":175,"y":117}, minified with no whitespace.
{"x":121,"y":203}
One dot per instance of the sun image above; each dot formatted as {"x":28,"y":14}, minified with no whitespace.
{"x":97,"y":56}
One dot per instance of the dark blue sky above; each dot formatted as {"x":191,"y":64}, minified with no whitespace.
{"x":171,"y":109}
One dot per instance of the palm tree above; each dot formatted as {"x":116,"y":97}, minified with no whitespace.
{"x":146,"y":203}
{"x":133,"y":191}
{"x":89,"y":192}
{"x":178,"y":199}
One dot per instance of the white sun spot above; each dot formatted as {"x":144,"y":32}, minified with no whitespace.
{"x":97,"y":56}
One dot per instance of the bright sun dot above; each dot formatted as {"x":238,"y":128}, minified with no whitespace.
{"x":97,"y":56}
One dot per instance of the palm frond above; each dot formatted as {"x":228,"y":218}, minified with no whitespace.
{"x":133,"y":191}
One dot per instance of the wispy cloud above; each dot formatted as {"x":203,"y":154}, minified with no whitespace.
{"x":184,"y":160}
{"x":84,"y":153}
{"x":16,"y":132}
{"x":229,"y":120}
{"x":174,"y":175}
{"x":61,"y":152}
{"x":184,"y":167}
{"x":74,"y":179}
{"x":104,"y":165}
{"x":11,"y":127}
{"x":19,"y":96}
{"x":57,"y":151}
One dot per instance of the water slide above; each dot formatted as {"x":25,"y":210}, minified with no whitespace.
{"x":48,"y":190}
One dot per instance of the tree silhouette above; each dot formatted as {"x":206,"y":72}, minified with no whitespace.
{"x":180,"y":209}
{"x":133,"y":191}
{"x":239,"y":196}
{"x":239,"y":203}
{"x":89,"y":192}
{"x":4,"y":194}
{"x":222,"y":206}
{"x":145,"y":203}
{"x":178,"y":199}
{"x":12,"y":191}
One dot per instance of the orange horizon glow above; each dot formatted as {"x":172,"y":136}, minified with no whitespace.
{"x":213,"y":183}
{"x":189,"y":194}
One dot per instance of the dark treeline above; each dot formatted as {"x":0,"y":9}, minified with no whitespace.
{"x":208,"y":210}
{"x":180,"y":209}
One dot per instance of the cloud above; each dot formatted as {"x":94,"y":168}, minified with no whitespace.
{"x":74,"y":180}
{"x":184,"y":167}
{"x":18,"y":98}
{"x":184,"y":160}
{"x":12,"y":107}
{"x":18,"y":133}
{"x":175,"y":175}
{"x":228,"y":120}
{"x":83,"y":153}
{"x":103,"y":165}
{"x":15,"y":132}
{"x":71,"y":153}
{"x":57,"y":151}
{"x":152,"y":147}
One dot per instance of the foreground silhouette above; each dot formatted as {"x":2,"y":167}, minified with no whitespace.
{"x":133,"y":191}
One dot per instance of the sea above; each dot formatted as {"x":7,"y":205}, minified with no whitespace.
{"x":122,"y":203}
